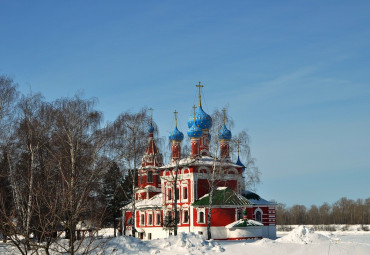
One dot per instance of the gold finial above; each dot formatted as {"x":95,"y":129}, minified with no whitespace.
{"x":175,"y":112}
{"x":194,"y":107}
{"x":151,"y":115}
{"x":238,"y":142}
{"x":224,"y":117}
{"x":199,"y":86}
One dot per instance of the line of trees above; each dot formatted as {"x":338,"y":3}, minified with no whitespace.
{"x":343,"y":211}
{"x":61,"y":169}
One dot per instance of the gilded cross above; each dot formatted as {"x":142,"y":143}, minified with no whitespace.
{"x":151,"y":114}
{"x":175,"y":112}
{"x":199,"y":86}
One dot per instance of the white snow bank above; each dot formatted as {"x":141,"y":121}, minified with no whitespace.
{"x":188,"y":243}
{"x":304,"y":235}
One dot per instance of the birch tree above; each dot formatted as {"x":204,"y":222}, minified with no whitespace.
{"x":77,"y":152}
{"x":127,"y":146}
{"x":220,"y":166}
{"x":8,"y":98}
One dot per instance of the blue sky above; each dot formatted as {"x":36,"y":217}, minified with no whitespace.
{"x":294,"y":73}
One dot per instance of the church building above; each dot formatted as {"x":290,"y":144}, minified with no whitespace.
{"x":184,"y":187}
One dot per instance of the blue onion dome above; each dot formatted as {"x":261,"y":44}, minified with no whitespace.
{"x":194,"y":131}
{"x":239,"y":163}
{"x":176,"y":135}
{"x":151,"y":128}
{"x":225,"y":134}
{"x":202,"y":119}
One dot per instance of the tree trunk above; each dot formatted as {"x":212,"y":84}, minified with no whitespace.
{"x":30,"y":196}
{"x":209,"y":214}
{"x":175,"y":200}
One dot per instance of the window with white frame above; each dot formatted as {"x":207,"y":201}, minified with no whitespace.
{"x":258,"y":215}
{"x":169,"y":194}
{"x":158,"y":220}
{"x":150,"y":219}
{"x":185,"y":193}
{"x":150,"y":177}
{"x":142,"y":219}
{"x":185,"y":216}
{"x":201,"y":216}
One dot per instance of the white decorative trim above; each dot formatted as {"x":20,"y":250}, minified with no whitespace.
{"x":199,"y":210}
{"x":255,"y":214}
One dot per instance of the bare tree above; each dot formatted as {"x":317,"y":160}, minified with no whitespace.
{"x":8,"y":98}
{"x":128,"y":145}
{"x":222,"y":159}
{"x":78,"y":159}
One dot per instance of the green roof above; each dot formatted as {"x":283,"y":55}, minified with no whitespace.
{"x":223,"y":196}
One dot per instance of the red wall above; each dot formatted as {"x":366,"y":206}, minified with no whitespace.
{"x":220,"y":217}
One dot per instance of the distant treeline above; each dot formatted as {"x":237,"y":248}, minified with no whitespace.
{"x":344,"y":211}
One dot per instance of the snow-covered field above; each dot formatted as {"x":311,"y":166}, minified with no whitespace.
{"x":301,"y":240}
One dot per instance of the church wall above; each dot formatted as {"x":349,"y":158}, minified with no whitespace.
{"x":220,"y":216}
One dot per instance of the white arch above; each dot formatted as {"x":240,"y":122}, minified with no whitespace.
{"x":255,"y":214}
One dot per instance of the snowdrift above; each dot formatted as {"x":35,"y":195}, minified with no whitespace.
{"x":183,"y":243}
{"x":304,"y":235}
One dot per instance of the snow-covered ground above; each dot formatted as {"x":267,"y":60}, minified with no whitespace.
{"x":301,"y":240}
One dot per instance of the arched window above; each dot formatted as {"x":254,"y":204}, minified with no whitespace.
{"x":258,"y":216}
{"x":150,"y":219}
{"x":142,"y":219}
{"x":185,"y":193}
{"x":169,"y":194}
{"x":201,"y":217}
{"x":158,"y":219}
{"x":150,"y":177}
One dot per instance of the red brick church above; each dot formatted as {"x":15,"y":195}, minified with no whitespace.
{"x":236,"y":213}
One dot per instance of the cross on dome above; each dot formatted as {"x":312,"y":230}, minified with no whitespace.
{"x":175,"y":112}
{"x":151,"y":114}
{"x":199,"y":86}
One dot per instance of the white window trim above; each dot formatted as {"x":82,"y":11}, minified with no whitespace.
{"x":156,"y":217}
{"x":183,"y":216}
{"x":182,"y":193}
{"x":169,"y":190}
{"x":198,"y":214}
{"x":142,"y":214}
{"x":255,"y":214}
{"x":147,"y":218}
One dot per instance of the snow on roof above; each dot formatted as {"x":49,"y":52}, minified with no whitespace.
{"x":256,"y":199}
{"x":221,"y":188}
{"x":241,"y":223}
{"x":261,"y":201}
{"x":155,"y":201}
{"x":201,"y":160}
{"x":150,"y":188}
